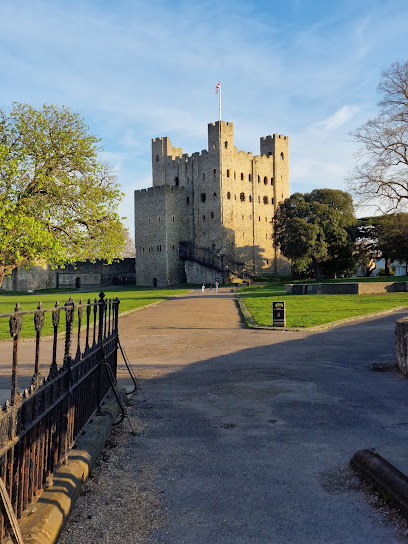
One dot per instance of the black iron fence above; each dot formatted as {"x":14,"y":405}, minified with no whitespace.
{"x":39,"y":426}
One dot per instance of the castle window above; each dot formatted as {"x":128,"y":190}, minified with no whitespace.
{"x":249,"y":177}
{"x":159,"y":218}
{"x":250,"y":198}
{"x":203,"y":197}
{"x":203,"y":176}
{"x":242,"y":175}
{"x":173,"y":247}
{"x":203,"y":217}
{"x":267,"y":262}
{"x":282,"y":156}
{"x":212,"y":215}
{"x":259,"y":218}
{"x":226,"y":145}
{"x":157,"y":158}
{"x":228,"y":173}
{"x":242,"y":197}
{"x":271,"y":181}
{"x":173,"y":218}
{"x":229,"y":195}
{"x":272,"y":201}
{"x":265,"y":200}
{"x":148,"y":219}
{"x":176,"y":181}
{"x":213,"y":146}
{"x":266,"y":219}
{"x":243,"y":216}
{"x":214,"y":172}
{"x":235,"y":175}
{"x":265,"y":180}
{"x":270,"y":153}
{"x":259,"y":199}
{"x":214,"y":196}
{"x":188,"y":200}
{"x":266,"y":236}
{"x":235,"y":197}
{"x":160,"y":248}
{"x":259,"y":179}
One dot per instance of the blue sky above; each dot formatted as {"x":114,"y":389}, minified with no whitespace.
{"x":137,"y":70}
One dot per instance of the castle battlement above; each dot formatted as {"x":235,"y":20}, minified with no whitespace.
{"x":201,"y":198}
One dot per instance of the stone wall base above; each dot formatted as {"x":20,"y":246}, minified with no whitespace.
{"x":401,"y":333}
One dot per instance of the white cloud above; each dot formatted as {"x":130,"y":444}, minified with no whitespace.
{"x":339,"y":118}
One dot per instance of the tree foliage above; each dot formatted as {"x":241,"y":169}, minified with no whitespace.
{"x":58,"y":201}
{"x":315,"y":230}
{"x":381,"y":174}
{"x":385,"y":236}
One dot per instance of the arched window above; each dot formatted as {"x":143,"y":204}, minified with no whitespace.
{"x":282,"y":155}
{"x":265,"y":200}
{"x":265,"y":180}
{"x":228,"y":173}
{"x":229,"y":195}
{"x":242,"y":175}
{"x":226,"y":145}
{"x":176,"y":181}
{"x":203,"y":197}
{"x":214,"y":196}
{"x":157,"y":158}
{"x":214,"y":172}
{"x":212,"y":215}
{"x":242,"y":197}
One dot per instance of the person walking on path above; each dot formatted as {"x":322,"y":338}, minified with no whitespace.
{"x":203,"y":287}
{"x":210,"y":287}
{"x":216,"y":286}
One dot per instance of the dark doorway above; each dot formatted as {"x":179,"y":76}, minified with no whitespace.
{"x":154,"y":282}
{"x":77,"y":283}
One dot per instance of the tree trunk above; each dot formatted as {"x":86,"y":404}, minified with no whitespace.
{"x":316,"y":268}
{"x":387,"y":266}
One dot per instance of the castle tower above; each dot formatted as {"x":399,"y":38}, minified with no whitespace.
{"x":221,"y":201}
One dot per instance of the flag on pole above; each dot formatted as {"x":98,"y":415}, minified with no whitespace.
{"x":218,"y":87}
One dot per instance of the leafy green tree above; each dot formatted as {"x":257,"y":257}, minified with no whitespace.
{"x":316,"y":229}
{"x":381,"y":174}
{"x":58,"y":201}
{"x":392,"y":240}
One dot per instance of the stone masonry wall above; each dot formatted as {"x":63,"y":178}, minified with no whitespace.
{"x":228,"y":204}
{"x":401,"y":333}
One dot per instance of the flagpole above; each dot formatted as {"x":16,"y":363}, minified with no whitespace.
{"x":220,"y":101}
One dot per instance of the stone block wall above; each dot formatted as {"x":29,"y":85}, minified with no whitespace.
{"x":363,"y":288}
{"x":401,"y":333}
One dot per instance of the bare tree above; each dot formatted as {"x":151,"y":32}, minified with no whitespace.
{"x":381,"y":174}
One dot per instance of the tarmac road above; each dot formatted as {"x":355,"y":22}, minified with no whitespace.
{"x":249,"y":433}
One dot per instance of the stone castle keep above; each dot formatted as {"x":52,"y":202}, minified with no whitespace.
{"x":211,"y":214}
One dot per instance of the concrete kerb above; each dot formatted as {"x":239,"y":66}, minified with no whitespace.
{"x":253,"y":325}
{"x":49,"y":514}
{"x":385,"y":477}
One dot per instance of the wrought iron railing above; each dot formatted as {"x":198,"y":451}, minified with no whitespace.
{"x":39,"y":426}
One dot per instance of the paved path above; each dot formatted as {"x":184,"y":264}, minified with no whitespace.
{"x":248,"y":433}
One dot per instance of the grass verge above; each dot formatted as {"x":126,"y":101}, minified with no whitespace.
{"x":131,"y":298}
{"x":313,"y":310}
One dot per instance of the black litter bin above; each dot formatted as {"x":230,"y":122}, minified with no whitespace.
{"x":279,"y":314}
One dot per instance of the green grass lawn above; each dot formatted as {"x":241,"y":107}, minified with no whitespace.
{"x":131,"y":297}
{"x":311,"y":310}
